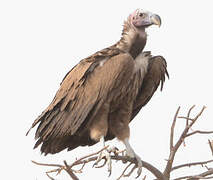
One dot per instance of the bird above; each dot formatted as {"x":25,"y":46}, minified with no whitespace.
{"x":102,"y":94}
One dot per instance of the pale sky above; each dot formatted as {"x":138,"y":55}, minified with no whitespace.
{"x":40,"y":41}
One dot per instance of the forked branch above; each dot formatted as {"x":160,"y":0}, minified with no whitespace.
{"x":174,"y":148}
{"x":93,"y":157}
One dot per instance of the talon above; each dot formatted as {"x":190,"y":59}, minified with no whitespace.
{"x":130,"y":152}
{"x":140,"y":165}
{"x":104,"y":154}
{"x":100,"y":157}
{"x":100,"y":166}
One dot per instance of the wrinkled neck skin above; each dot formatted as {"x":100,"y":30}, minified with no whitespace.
{"x":133,"y":40}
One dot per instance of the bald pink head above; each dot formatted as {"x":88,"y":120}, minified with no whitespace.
{"x":140,"y":18}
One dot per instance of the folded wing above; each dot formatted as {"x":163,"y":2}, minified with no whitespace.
{"x":155,"y":76}
{"x":84,"y":89}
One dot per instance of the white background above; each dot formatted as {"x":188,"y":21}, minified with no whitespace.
{"x":42,"y":40}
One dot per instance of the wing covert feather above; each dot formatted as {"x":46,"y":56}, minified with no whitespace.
{"x":78,"y":96}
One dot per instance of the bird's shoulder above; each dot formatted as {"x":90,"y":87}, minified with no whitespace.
{"x":110,"y":61}
{"x":87,"y":66}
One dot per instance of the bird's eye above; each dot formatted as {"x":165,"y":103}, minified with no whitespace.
{"x":141,"y":14}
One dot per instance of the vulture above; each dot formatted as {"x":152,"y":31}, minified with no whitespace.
{"x":99,"y":96}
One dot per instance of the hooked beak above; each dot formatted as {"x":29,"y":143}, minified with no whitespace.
{"x":155,"y":19}
{"x":144,"y":19}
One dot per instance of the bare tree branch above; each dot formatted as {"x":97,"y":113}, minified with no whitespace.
{"x":123,"y":173}
{"x":188,"y":115}
{"x":207,"y":173}
{"x":191,"y":164}
{"x":211,"y":145}
{"x":146,"y":165}
{"x":187,"y":118}
{"x":49,"y":176}
{"x":91,"y":157}
{"x":130,"y":172}
{"x":197,"y":177}
{"x":199,"y":132}
{"x":44,"y":164}
{"x":70,"y":172}
{"x":79,"y":160}
{"x":174,"y":149}
{"x":173,"y":128}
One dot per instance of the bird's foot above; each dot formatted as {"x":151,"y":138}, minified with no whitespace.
{"x":105,"y":154}
{"x":140,"y":165}
{"x":132,"y":154}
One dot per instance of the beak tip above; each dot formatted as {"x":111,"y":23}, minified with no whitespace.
{"x":156,"y":20}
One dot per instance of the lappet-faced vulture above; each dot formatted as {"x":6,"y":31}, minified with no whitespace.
{"x":99,"y":97}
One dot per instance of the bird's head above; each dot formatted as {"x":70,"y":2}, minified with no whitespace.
{"x":134,"y":37}
{"x":141,"y":19}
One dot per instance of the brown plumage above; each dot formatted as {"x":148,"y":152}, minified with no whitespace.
{"x":103,"y":93}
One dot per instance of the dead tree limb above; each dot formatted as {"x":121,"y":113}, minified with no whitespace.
{"x":197,"y":177}
{"x":174,"y":148}
{"x":89,"y":158}
{"x":192,"y":164}
{"x":211,"y":145}
{"x":199,"y":132}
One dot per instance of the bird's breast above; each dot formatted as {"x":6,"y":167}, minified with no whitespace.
{"x":141,"y":64}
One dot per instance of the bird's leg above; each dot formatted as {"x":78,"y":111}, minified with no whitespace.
{"x":104,"y":154}
{"x":130,"y":152}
